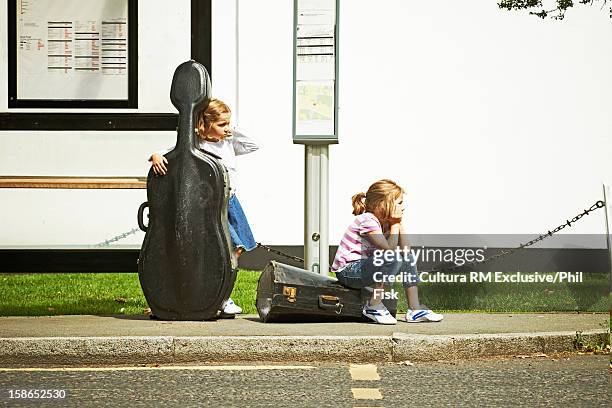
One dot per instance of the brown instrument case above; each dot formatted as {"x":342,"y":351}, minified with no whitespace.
{"x":289,"y":294}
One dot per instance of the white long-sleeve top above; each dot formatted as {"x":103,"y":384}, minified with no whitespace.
{"x":228,"y":148}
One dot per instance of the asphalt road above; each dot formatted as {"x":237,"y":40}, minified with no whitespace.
{"x":536,"y":381}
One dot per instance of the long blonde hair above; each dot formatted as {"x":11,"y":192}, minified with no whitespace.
{"x":379,"y":198}
{"x":212,"y":113}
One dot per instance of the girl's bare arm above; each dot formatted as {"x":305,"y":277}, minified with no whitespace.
{"x":378,"y":239}
{"x":403,"y":239}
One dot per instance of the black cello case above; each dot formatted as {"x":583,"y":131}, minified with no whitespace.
{"x":186,"y":266}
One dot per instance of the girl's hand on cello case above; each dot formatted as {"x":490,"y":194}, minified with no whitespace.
{"x":158,"y":162}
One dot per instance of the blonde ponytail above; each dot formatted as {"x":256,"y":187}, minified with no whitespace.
{"x":359,"y":206}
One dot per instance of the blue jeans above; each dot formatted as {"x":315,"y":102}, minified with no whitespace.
{"x":239,"y":228}
{"x":364,"y":272}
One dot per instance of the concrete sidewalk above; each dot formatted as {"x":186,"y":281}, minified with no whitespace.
{"x":139,"y":340}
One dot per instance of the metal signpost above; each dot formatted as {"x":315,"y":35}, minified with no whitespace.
{"x":607,"y":193}
{"x":315,"y":116}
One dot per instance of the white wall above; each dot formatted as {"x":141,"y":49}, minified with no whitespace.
{"x":494,"y":122}
{"x":35,"y":217}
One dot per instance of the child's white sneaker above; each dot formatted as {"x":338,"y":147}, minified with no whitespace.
{"x":231,"y":307}
{"x":422,"y":315}
{"x":379,"y":314}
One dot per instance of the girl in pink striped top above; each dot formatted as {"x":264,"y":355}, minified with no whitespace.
{"x":361,"y":260}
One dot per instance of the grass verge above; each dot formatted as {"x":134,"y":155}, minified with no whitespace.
{"x":120,"y":293}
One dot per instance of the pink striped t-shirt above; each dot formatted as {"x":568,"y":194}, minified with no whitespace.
{"x":354,"y":244}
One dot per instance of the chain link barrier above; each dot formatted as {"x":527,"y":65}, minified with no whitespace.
{"x":568,"y":223}
{"x":118,"y":237}
{"x":277,"y":252}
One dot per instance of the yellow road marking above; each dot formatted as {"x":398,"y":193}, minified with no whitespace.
{"x":167,"y":368}
{"x":364,"y":372}
{"x":366,"y":393}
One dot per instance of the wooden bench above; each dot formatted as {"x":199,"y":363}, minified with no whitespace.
{"x":73,"y":182}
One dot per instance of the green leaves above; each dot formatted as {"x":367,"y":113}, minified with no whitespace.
{"x":557,"y":13}
{"x":519,"y":4}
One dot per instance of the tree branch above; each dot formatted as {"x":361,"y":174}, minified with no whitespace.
{"x":557,"y":13}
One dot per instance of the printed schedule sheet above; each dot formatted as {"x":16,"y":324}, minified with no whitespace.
{"x":67,"y":50}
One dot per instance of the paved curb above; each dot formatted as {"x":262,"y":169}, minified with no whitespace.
{"x":454,"y":347}
{"x":168,"y":349}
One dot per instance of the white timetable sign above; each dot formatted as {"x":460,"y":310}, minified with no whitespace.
{"x":315,"y":71}
{"x":72,"y":49}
